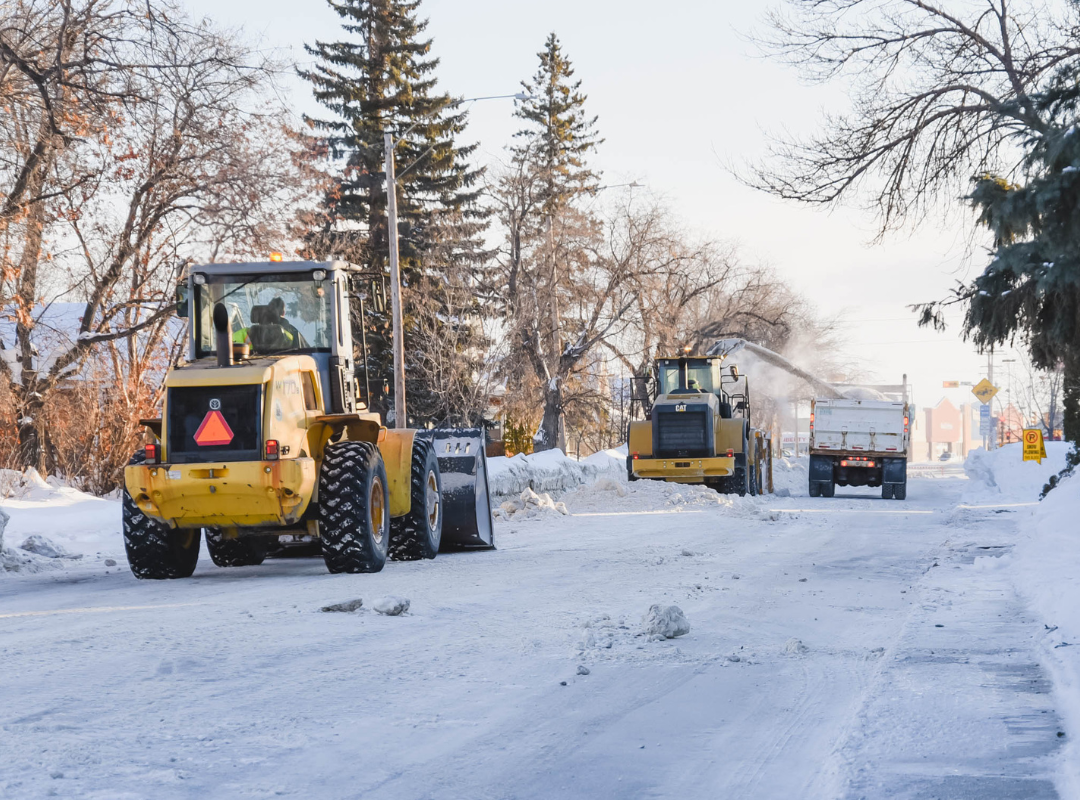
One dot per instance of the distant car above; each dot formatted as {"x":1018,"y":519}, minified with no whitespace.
{"x":946,"y":456}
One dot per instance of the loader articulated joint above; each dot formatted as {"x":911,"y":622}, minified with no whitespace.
{"x":223,"y":332}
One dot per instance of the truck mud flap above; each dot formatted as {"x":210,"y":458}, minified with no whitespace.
{"x":894,"y":470}
{"x":466,"y":503}
{"x":821,"y":469}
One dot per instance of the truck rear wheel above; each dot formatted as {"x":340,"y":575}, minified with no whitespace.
{"x":828,"y":488}
{"x":247,"y":551}
{"x":815,"y":489}
{"x":900,"y":491}
{"x":154,"y":550}
{"x":354,"y":508}
{"x":886,"y":491}
{"x":417,"y":535}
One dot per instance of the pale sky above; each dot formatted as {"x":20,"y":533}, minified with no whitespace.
{"x":680,"y":94}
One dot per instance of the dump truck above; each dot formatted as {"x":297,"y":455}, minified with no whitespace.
{"x":859,"y":443}
{"x":264,"y":437}
{"x":697,"y":429}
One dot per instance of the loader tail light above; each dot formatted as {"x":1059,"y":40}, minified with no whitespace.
{"x":635,"y":456}
{"x":272,"y":450}
{"x":730,"y":453}
{"x":151,"y":453}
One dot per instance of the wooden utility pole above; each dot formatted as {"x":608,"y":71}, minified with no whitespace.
{"x":400,"y":417}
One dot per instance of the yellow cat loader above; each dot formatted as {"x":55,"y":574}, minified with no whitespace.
{"x":697,"y":429}
{"x":263,"y":437}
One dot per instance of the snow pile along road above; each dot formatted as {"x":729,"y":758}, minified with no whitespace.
{"x":1045,"y":568}
{"x":47,"y":524}
{"x":1002,"y":473}
{"x":551,"y":471}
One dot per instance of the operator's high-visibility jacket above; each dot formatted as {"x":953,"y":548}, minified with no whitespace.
{"x":241,"y":336}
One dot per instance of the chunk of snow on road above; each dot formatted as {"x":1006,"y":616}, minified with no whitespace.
{"x":391,"y":605}
{"x":345,"y":607}
{"x":666,"y":621}
{"x":795,"y":647}
{"x":43,"y":546}
{"x":530,"y":505}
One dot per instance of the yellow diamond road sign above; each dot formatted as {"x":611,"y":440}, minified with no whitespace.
{"x":985,"y":391}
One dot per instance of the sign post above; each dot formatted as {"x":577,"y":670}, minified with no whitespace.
{"x":1034,"y":448}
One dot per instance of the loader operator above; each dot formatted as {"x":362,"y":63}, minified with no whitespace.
{"x":270,"y":331}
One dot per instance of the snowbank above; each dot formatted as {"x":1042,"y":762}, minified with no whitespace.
{"x":1002,"y":474}
{"x":1045,"y":567}
{"x":552,"y":471}
{"x":42,"y":513}
{"x":790,"y":476}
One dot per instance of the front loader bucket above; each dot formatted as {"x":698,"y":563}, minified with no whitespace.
{"x":465,"y":499}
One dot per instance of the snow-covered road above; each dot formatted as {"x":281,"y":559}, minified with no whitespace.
{"x":845,"y":647}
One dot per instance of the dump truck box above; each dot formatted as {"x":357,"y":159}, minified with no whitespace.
{"x":858,"y":443}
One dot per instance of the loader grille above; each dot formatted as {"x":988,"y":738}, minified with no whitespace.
{"x":682,"y":433}
{"x":187,"y":409}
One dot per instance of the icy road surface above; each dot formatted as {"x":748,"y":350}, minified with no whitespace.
{"x":847,"y":647}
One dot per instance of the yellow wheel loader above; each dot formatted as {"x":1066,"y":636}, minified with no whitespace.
{"x":263,"y":439}
{"x":697,"y":429}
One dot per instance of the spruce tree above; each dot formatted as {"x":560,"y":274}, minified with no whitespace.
{"x":379,"y":78}
{"x":549,"y":173}
{"x":1031,"y":288}
{"x":559,"y":135}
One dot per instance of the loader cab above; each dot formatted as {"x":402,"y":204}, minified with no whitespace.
{"x":278,"y":309}
{"x":693,"y":376}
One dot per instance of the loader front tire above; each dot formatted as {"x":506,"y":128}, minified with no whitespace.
{"x":154,"y":550}
{"x":249,"y":551}
{"x":354,"y":508}
{"x":417,"y":534}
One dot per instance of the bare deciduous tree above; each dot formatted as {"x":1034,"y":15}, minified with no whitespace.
{"x":137,"y":141}
{"x":937,"y":90}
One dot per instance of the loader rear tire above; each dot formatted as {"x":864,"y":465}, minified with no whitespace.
{"x":248,"y":551}
{"x":753,"y":489}
{"x":154,"y":550}
{"x":417,"y":535}
{"x":354,"y":508}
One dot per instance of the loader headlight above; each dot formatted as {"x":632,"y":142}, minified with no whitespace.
{"x":199,"y":279}
{"x":319,"y":274}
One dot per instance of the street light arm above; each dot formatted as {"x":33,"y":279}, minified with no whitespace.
{"x":454,"y":104}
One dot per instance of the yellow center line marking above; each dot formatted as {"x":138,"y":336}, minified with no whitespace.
{"x":95,"y":610}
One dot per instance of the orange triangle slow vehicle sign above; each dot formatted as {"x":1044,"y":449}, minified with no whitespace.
{"x":213,"y":431}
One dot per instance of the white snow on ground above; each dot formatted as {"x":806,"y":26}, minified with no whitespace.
{"x":551,"y":471}
{"x":47,"y":516}
{"x":1044,"y":566}
{"x":845,"y":647}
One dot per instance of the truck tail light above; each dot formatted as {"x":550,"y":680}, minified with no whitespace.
{"x":151,"y":453}
{"x":811,"y":422}
{"x":272,"y":449}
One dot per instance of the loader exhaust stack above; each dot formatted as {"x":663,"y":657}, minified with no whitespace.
{"x":223,"y":333}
